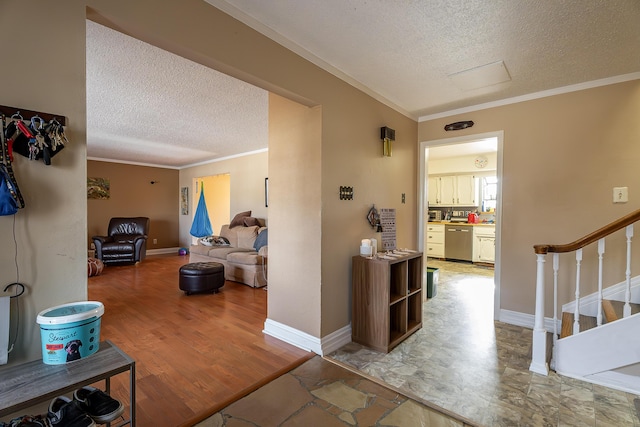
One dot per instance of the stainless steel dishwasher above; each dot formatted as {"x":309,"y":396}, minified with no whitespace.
{"x":458,"y":242}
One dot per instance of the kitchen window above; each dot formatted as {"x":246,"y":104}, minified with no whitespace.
{"x":489,"y":193}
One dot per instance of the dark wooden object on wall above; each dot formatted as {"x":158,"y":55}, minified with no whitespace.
{"x":27,"y":114}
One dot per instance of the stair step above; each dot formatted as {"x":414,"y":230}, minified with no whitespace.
{"x":613,"y":309}
{"x":586,"y":323}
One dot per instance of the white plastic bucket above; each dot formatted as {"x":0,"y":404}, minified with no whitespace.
{"x":70,"y":332}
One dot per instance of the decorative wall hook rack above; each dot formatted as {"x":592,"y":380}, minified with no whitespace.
{"x":27,"y":114}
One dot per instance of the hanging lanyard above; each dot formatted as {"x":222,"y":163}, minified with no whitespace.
{"x":7,"y":170}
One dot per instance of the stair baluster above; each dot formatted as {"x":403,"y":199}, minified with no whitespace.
{"x":627,"y":295}
{"x":556,"y":268}
{"x":576,"y":314}
{"x":600,"y":262}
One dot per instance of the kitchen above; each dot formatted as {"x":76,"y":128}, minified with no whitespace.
{"x":462,"y":192}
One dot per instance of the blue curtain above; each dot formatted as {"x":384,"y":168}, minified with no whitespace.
{"x":201,"y":225}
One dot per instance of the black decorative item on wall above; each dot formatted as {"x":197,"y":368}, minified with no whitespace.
{"x":458,"y":125}
{"x":346,"y":193}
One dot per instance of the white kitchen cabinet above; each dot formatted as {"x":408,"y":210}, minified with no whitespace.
{"x":484,"y":243}
{"x":453,"y":190}
{"x":467,"y":190}
{"x":435,"y":240}
{"x":433,"y":190}
{"x":448,"y":190}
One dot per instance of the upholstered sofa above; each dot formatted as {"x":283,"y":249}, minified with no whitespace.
{"x":242,"y":262}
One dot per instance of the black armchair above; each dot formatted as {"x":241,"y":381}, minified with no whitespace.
{"x":125,"y":243}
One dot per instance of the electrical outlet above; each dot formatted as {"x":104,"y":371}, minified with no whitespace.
{"x":155,"y":241}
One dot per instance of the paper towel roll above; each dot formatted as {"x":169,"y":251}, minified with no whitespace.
{"x":5,"y":305}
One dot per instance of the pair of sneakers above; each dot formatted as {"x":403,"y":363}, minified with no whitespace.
{"x":88,"y":407}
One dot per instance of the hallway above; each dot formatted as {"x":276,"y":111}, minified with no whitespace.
{"x":464,"y":362}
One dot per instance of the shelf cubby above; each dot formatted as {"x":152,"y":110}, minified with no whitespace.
{"x":386,"y":303}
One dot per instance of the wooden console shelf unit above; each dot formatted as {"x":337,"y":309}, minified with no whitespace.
{"x":386,"y":304}
{"x":25,"y":385}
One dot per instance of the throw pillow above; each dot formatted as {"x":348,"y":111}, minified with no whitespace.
{"x":250,"y":221}
{"x":214,"y":241}
{"x":261,"y":240}
{"x":238,"y":220}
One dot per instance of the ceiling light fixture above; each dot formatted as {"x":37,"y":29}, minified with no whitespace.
{"x":458,"y":125}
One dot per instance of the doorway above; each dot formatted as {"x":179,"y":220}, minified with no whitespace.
{"x":423,"y":206}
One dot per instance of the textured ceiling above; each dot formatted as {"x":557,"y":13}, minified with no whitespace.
{"x":146,"y":105}
{"x":406,"y":50}
{"x":411,"y":54}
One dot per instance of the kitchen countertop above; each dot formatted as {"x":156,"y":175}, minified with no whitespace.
{"x":481,"y":224}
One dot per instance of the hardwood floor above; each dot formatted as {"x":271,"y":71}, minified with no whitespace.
{"x":194,"y":354}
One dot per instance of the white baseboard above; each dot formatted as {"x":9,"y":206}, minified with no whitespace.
{"x":162,"y":251}
{"x":526,"y":320}
{"x":307,"y":342}
{"x":342,"y":336}
{"x":335,"y":340}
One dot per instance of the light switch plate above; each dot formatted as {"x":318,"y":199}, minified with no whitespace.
{"x":620,"y":194}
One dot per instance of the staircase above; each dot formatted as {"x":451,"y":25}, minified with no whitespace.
{"x":597,"y":340}
{"x":612,"y":311}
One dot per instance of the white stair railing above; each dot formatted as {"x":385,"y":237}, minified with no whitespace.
{"x":556,"y":269}
{"x":600,"y":264}
{"x":576,"y":312}
{"x":627,"y":296}
{"x":539,"y":349}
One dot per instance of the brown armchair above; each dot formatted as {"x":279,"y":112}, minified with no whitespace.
{"x":125,"y":243}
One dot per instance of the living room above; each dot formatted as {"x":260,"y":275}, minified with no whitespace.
{"x":579,"y":144}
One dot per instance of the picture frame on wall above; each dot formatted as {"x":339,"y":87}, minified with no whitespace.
{"x":98,"y":188}
{"x":266,"y":192}
{"x":184,"y":200}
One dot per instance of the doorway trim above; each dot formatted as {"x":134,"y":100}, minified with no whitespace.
{"x":423,"y":157}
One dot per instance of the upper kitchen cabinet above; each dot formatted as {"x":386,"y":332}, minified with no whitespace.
{"x":453,"y":190}
{"x":467,"y":190}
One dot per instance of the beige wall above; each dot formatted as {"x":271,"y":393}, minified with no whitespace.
{"x":562,"y":156}
{"x":132,"y":194}
{"x":51,"y":230}
{"x":295,"y":207}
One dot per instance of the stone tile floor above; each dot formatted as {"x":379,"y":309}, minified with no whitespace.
{"x":461,"y":363}
{"x":321,"y":393}
{"x":466,"y":363}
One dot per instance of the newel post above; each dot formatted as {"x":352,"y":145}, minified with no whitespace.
{"x":539,"y":351}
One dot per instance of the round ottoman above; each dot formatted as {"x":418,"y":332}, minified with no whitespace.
{"x":201,"y":277}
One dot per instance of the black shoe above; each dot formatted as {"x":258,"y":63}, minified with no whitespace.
{"x":64,"y":412}
{"x":98,"y":404}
